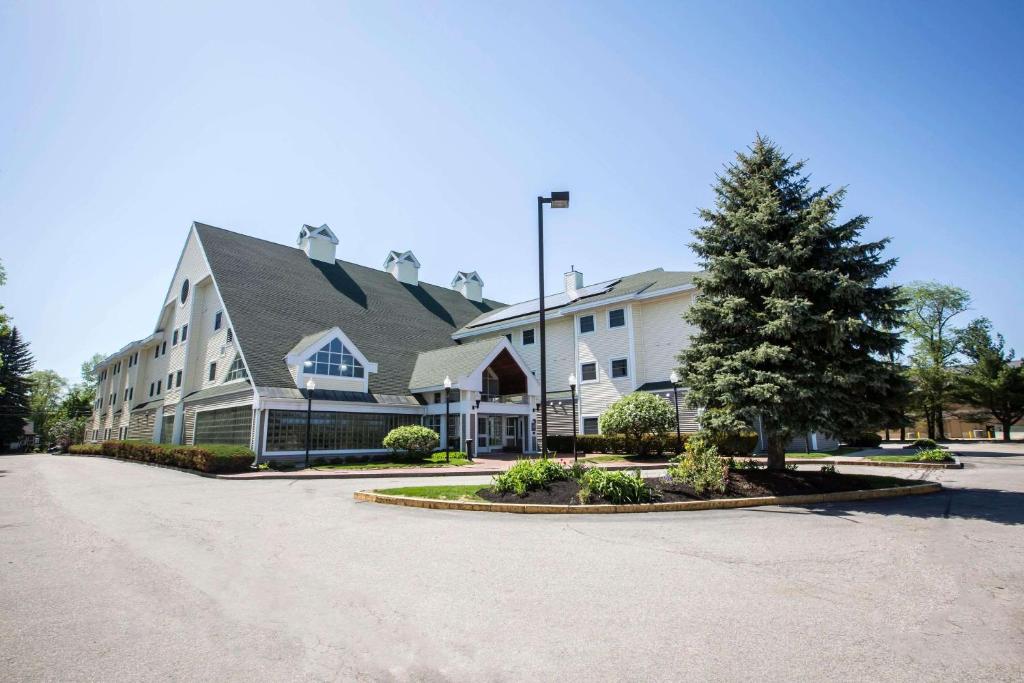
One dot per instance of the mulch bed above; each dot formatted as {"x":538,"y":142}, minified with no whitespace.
{"x":741,"y":484}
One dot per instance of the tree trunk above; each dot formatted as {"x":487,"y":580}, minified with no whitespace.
{"x":776,"y":451}
{"x":1006,"y":430}
{"x":887,"y":439}
{"x":929,"y":418}
{"x":941,"y":423}
{"x":903,"y":433}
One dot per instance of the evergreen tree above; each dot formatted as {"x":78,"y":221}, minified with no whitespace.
{"x":994,"y":382}
{"x":795,"y":329}
{"x":14,"y":370}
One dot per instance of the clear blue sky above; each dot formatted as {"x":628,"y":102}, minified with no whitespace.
{"x":433,"y":127}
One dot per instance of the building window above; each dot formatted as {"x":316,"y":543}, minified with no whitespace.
{"x":126,"y":394}
{"x":158,"y":387}
{"x":620,"y":368}
{"x":224,"y":425}
{"x":213,"y":371}
{"x":184,"y":333}
{"x":216,"y":320}
{"x":528,"y":337}
{"x":237,"y":370}
{"x":184,"y":291}
{"x":491,"y":386}
{"x":152,"y":386}
{"x":591,"y":426}
{"x":170,"y":380}
{"x":231,"y":335}
{"x":334,"y":359}
{"x":588,"y":372}
{"x":586,"y":324}
{"x":437,"y":399}
{"x":156,"y":351}
{"x":163,"y":347}
{"x":177,"y":378}
{"x":617,"y":317}
{"x":174,"y":340}
{"x":167,"y":428}
{"x":131,"y":393}
{"x":330,"y":431}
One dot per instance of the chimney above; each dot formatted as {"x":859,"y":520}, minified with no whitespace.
{"x":573,"y":282}
{"x":469,"y":285}
{"x":318,"y":243}
{"x":403,"y":266}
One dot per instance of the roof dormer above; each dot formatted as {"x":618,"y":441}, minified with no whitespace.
{"x":319,"y":244}
{"x":469,"y":285}
{"x":403,"y":266}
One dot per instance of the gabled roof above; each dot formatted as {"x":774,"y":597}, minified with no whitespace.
{"x":322,"y":231}
{"x":453,"y":362}
{"x":401,"y":256}
{"x":463,"y":276}
{"x":275,"y":296}
{"x":646,"y":283}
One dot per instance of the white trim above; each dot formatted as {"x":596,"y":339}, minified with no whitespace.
{"x":611,"y":373}
{"x":590,"y":417}
{"x":631,"y":333}
{"x":299,"y":357}
{"x":522,"y":335}
{"x":472,"y":381}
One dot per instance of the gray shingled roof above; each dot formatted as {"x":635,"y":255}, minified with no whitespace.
{"x":275,"y":295}
{"x":638,"y":283}
{"x":455,"y":362}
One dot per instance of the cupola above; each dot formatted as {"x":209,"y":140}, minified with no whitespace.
{"x":319,"y":244}
{"x":403,"y":266}
{"x":469,"y":285}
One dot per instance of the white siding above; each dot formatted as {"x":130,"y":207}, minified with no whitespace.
{"x":661,"y":334}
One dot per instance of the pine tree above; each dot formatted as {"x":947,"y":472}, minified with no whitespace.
{"x":795,"y":328}
{"x":14,"y":371}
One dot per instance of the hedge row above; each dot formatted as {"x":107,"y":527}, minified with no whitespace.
{"x":733,"y":444}
{"x":212,"y":458}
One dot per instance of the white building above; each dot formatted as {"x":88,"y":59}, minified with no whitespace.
{"x":246,"y":324}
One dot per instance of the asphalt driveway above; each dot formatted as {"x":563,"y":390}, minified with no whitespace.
{"x":117,"y":571}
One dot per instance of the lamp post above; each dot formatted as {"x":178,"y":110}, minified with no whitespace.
{"x":572,"y":390}
{"x":310,"y":388}
{"x":447,"y":421}
{"x":674,"y":378}
{"x":557,"y":200}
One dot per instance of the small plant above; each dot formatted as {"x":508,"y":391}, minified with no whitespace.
{"x":748,"y":464}
{"x":864,"y":440}
{"x":791,"y":466}
{"x":577,"y":471}
{"x":933,"y":455}
{"x":263,"y":466}
{"x":528,"y":475}
{"x":924,"y":444}
{"x":828,"y":468}
{"x":417,"y":441}
{"x":618,"y":488}
{"x":702,"y":469}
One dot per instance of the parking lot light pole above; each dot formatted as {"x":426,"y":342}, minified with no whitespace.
{"x":310,"y":388}
{"x":674,"y":378}
{"x":572,"y":390}
{"x":557,"y":200}
{"x":447,"y":421}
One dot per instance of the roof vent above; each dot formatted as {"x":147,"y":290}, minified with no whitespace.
{"x":469,"y":285}
{"x":318,"y":243}
{"x":403,"y":266}
{"x":573,"y":282}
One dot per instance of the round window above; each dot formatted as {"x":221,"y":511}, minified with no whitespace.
{"x":184,"y":291}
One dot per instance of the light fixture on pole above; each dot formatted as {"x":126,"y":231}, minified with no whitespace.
{"x":310,"y":388}
{"x":674,"y":378}
{"x":572,"y":390}
{"x":447,"y":421}
{"x":557,"y":200}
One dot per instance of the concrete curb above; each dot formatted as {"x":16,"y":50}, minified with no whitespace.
{"x":720,"y":504}
{"x":955,"y":465}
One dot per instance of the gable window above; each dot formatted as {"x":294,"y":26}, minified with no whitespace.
{"x":617,"y":317}
{"x":620,"y":368}
{"x":591,"y":425}
{"x":174,"y":340}
{"x":237,"y":370}
{"x":231,"y":335}
{"x":528,"y":337}
{"x":334,"y":359}
{"x":586,"y":324}
{"x":588,"y":372}
{"x":184,"y":332}
{"x":216,"y":320}
{"x":213,"y":371}
{"x":184,"y":291}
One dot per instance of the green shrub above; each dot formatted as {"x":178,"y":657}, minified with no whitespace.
{"x":642,"y":418}
{"x":453,"y":456}
{"x":618,"y":488}
{"x":863,"y":440}
{"x":933,"y":455}
{"x":828,"y":468}
{"x":924,"y":443}
{"x":748,"y":464}
{"x":86,"y":449}
{"x":738,"y":443}
{"x":657,"y":444}
{"x":529,"y":475}
{"x":701,"y":467}
{"x":213,"y":458}
{"x":415,"y":440}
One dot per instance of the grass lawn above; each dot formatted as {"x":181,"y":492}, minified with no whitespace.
{"x":904,"y":458}
{"x":453,"y":492}
{"x":625,"y":458}
{"x":435,"y":460}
